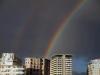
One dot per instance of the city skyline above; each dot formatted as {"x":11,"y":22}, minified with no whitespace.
{"x":57,"y":64}
{"x":42,"y":28}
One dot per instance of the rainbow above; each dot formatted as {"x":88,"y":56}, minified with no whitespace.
{"x":62,"y":25}
{"x":65,"y":20}
{"x":20,"y":32}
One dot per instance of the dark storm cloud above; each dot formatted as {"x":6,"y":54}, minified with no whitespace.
{"x":82,"y":34}
{"x":88,"y":30}
{"x":12,"y":14}
{"x":40,"y":19}
{"x":1,"y":1}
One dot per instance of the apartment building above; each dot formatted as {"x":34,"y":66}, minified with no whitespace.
{"x":94,"y":67}
{"x":37,"y":66}
{"x":61,"y":64}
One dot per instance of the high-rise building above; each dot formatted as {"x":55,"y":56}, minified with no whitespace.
{"x":94,"y":67}
{"x":11,"y":65}
{"x":61,"y":64}
{"x":37,"y":66}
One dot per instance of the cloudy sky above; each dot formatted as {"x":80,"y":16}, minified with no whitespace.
{"x":28,"y":26}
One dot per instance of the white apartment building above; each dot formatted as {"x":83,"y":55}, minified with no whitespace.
{"x":94,"y":67}
{"x":11,"y":65}
{"x":61,"y":64}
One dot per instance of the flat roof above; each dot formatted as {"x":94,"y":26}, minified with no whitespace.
{"x":60,"y":55}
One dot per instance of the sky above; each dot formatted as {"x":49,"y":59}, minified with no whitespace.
{"x":28,"y":26}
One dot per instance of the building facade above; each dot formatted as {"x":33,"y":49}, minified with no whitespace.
{"x":61,"y":64}
{"x":11,"y":65}
{"x":94,"y":67}
{"x":37,"y":66}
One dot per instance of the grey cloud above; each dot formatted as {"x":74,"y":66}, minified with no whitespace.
{"x":40,"y":19}
{"x":81,"y":35}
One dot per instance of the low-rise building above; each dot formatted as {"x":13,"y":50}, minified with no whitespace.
{"x":11,"y":65}
{"x":37,"y":66}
